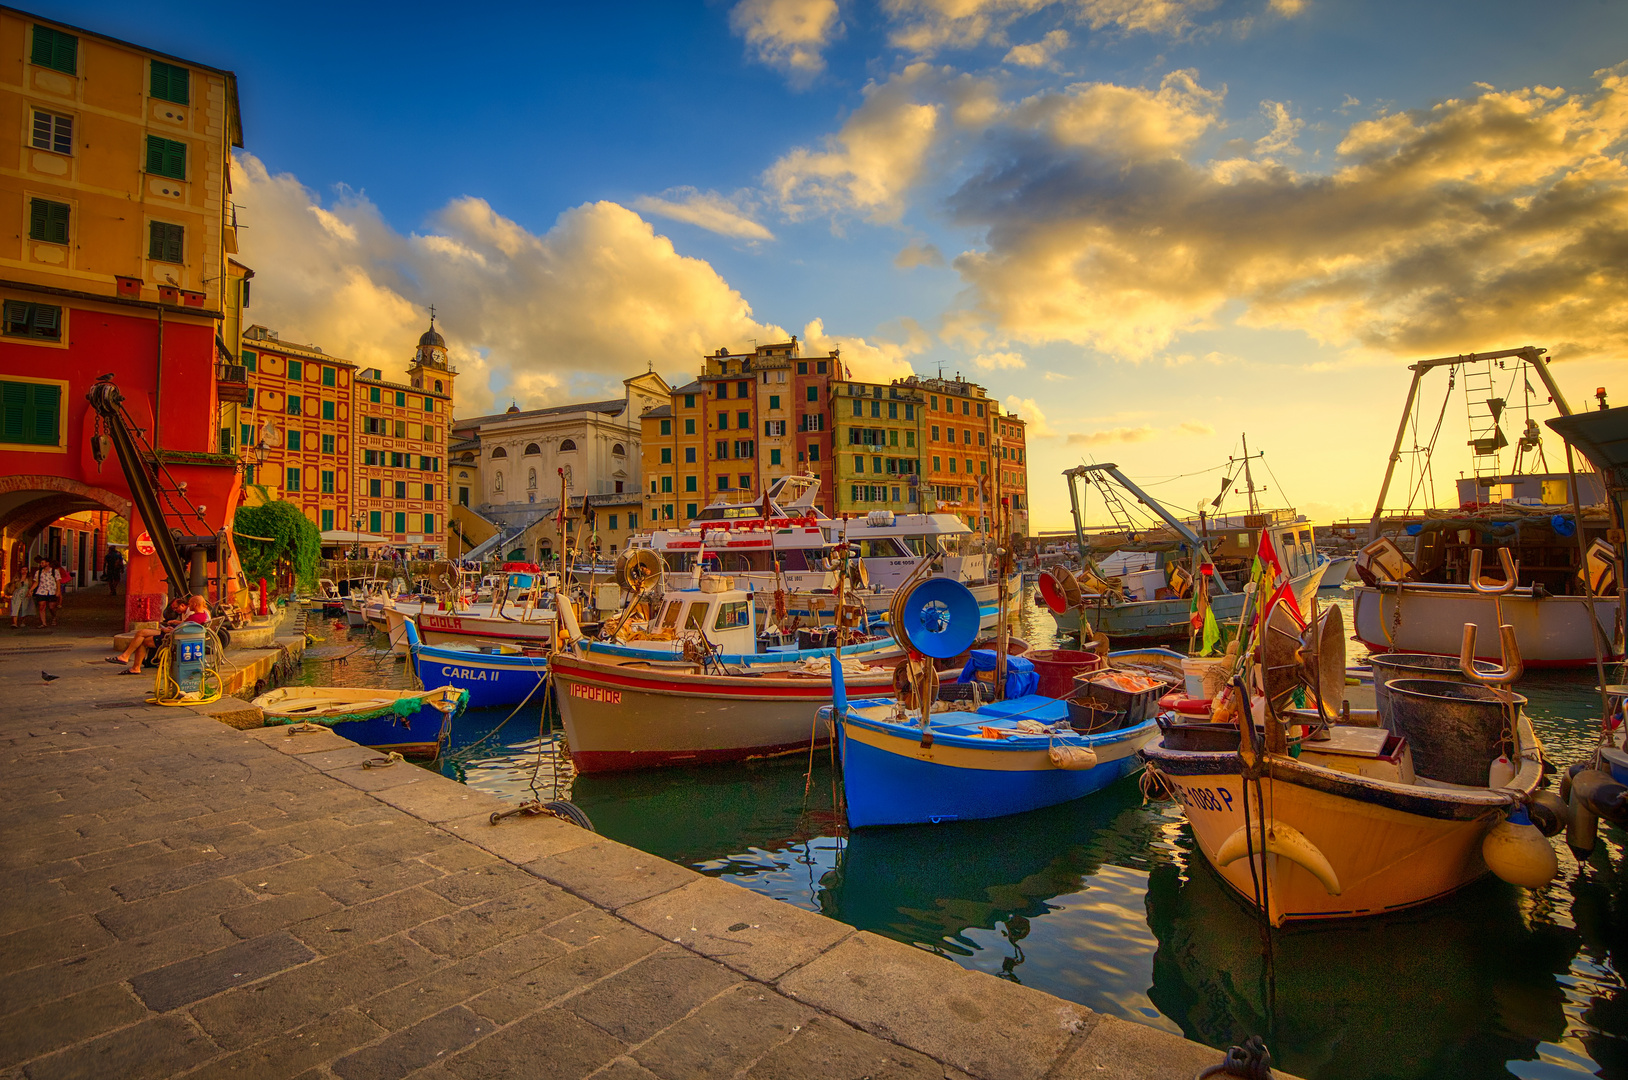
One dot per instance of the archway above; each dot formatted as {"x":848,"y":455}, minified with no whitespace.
{"x":29,"y":505}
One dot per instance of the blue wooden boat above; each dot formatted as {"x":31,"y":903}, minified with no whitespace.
{"x":410,"y":722}
{"x":492,"y":675}
{"x":981,"y":764}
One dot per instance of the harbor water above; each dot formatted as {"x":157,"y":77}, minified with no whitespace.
{"x":1107,"y":901}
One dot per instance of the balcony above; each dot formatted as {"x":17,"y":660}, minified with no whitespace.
{"x":232,"y":383}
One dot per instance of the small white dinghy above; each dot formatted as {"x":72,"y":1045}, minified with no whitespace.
{"x":410,"y":722}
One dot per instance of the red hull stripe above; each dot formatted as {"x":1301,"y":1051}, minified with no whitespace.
{"x":423,"y":630}
{"x":598,"y":761}
{"x":691,"y":686}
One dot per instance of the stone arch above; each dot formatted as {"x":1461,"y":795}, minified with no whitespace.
{"x":532,"y":448}
{"x":567,"y":444}
{"x":499,"y":452}
{"x":618,"y":449}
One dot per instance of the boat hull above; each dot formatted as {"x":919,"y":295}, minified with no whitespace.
{"x":889,"y":778}
{"x":619,"y":717}
{"x":1389,"y":846}
{"x":415,"y":734}
{"x":1552,"y":631}
{"x":450,"y":628}
{"x":492,"y":681}
{"x":1153,"y":622}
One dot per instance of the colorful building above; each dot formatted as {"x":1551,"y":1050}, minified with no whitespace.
{"x":878,"y":429}
{"x":402,"y":434}
{"x":117,"y":197}
{"x":1012,"y":461}
{"x":748,"y":419}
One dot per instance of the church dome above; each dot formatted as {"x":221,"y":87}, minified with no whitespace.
{"x":431,"y":337}
{"x":514,"y":407}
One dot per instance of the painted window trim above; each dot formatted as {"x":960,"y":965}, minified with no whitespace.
{"x":62,"y":415}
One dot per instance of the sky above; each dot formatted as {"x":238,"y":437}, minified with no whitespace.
{"x":1148,"y":227}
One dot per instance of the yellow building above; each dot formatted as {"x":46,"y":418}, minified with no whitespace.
{"x":402,"y":434}
{"x":878,"y":430}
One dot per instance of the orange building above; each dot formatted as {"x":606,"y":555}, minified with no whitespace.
{"x":402,"y":433}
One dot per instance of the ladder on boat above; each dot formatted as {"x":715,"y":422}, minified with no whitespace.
{"x":1115,"y":505}
{"x":1485,"y":410}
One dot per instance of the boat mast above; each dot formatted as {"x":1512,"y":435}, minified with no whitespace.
{"x":1249,"y":480}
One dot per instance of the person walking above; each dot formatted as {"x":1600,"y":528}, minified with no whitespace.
{"x":22,"y":600}
{"x":47,"y":590}
{"x":113,"y":569}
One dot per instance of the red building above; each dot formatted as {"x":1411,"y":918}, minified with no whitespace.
{"x":118,"y":203}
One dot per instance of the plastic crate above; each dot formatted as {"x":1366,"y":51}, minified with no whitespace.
{"x":1136,"y":705}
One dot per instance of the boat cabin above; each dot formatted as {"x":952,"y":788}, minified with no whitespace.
{"x":717,"y":610}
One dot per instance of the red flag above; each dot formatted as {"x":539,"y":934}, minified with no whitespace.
{"x":1284,"y":592}
{"x":1267,"y":554}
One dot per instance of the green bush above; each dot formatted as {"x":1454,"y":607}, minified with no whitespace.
{"x":289,"y":537}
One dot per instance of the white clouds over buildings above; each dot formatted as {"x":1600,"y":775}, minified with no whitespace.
{"x":788,"y":35}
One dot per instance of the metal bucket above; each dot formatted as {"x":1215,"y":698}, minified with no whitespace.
{"x":1455,"y":729}
{"x":1389,"y":666}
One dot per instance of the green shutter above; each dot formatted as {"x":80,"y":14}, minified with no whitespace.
{"x":30,"y":413}
{"x":165,"y":242}
{"x":401,"y":522}
{"x":171,"y":83}
{"x":48,"y":221}
{"x":327,"y":520}
{"x":54,"y":49}
{"x":167,"y":157}
{"x":429,"y":523}
{"x":327,"y":410}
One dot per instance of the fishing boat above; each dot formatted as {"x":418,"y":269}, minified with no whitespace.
{"x":782,"y":549}
{"x":410,"y":722}
{"x":1307,"y":818}
{"x":1336,"y":570}
{"x":518,"y":613}
{"x":1416,"y":602}
{"x":1153,"y":606}
{"x":492,"y":675}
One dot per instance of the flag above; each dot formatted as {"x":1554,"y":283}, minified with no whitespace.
{"x":1285,"y":593}
{"x":1212,"y":632}
{"x":1266,"y":561}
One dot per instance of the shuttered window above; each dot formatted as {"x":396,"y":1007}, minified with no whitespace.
{"x":401,"y":523}
{"x":171,"y":83}
{"x":33,"y":320}
{"x":48,"y":221}
{"x":165,"y":242}
{"x":429,"y":523}
{"x":327,"y":484}
{"x":327,"y":521}
{"x":167,"y":157}
{"x":375,"y":523}
{"x":31,"y":413}
{"x":328,"y":407}
{"x":53,"y":132}
{"x":54,"y":49}
{"x":328,"y":377}
{"x":293,"y":479}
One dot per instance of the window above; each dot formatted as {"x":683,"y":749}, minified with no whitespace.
{"x":401,"y":399}
{"x":327,"y":482}
{"x":633,"y":519}
{"x":723,"y":421}
{"x":859,"y":407}
{"x":437,"y":386}
{"x":983,"y":467}
{"x":743,"y":389}
{"x":721,"y":449}
{"x":666,"y":427}
{"x":969,"y":466}
{"x":401,"y":429}
{"x":745,"y":448}
{"x":876,"y":410}
{"x":689,"y":511}
{"x":32,"y":412}
{"x":429,"y":404}
{"x":859,"y":463}
{"x":689,"y":427}
{"x":893,"y":438}
{"x":980,"y":438}
{"x":246,"y":435}
{"x":170,"y":83}
{"x":499,"y":452}
{"x":876,"y":464}
{"x":375,"y":426}
{"x":774,"y":428}
{"x":980,"y":412}
{"x":819,"y":368}
{"x":567,"y":444}
{"x":802,"y":367}
{"x":745,"y":481}
{"x":723,"y":483}
{"x":689,"y":401}
{"x":689,"y":455}
{"x":813,"y":451}
{"x":327,"y":520}
{"x":966,"y":408}
{"x":42,"y":321}
{"x":937,"y":465}
{"x":375,"y":521}
{"x":328,"y":376}
{"x":774,"y":457}
{"x":401,"y":522}
{"x":166,"y":157}
{"x":463,"y":496}
{"x":966,"y":436}
{"x":610,"y":522}
{"x":910,"y":438}
{"x":401,"y":489}
{"x":743,"y":421}
{"x":165,"y":242}
{"x":296,"y":370}
{"x":293,"y":405}
{"x":813,"y":393}
{"x":429,"y":492}
{"x":666,"y":455}
{"x":774,"y":401}
{"x":328,"y":406}
{"x":53,"y":132}
{"x":294,"y":441}
{"x":48,"y":221}
{"x":935,"y":433}
{"x":55,"y":50}
{"x":429,"y":523}
{"x":893,"y":410}
{"x":689,"y":485}
{"x":375,"y":489}
{"x":735,"y":613}
{"x":666,"y":484}
{"x":909,"y":411}
{"x":250,"y":360}
{"x":373,"y":394}
{"x":292,"y":480}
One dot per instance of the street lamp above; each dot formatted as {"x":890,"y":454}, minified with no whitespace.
{"x":356,"y":526}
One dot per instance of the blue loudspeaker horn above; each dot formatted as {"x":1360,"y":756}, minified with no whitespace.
{"x":939,"y":618}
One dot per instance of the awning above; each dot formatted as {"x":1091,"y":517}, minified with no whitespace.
{"x":340,"y":536}
{"x":1602,"y":436}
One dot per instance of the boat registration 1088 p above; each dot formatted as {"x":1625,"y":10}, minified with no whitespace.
{"x":1203,"y":798}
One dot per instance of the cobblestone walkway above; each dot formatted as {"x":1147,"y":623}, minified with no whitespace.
{"x":180,"y":898}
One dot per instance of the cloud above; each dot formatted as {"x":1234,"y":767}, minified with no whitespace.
{"x":707,"y":210}
{"x":867,"y":361}
{"x":1029,"y":412}
{"x":1112,"y":435}
{"x":927,"y":26}
{"x":1287,"y":8}
{"x":598,"y":295}
{"x":918,"y":253}
{"x":1055,"y":376}
{"x":1493,"y":218}
{"x":1003,"y":361}
{"x":1040,"y":53}
{"x":871,"y":162}
{"x":1195,"y":427}
{"x":1285,"y":129}
{"x":788,"y":35}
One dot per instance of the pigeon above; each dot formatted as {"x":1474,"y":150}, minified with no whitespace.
{"x":46,"y":676}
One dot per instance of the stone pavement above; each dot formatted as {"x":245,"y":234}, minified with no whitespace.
{"x":179,"y":898}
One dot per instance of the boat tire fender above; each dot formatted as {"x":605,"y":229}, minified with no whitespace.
{"x":1251,"y":1061}
{"x":1548,"y":813}
{"x":1603,"y":796}
{"x":570,"y":811}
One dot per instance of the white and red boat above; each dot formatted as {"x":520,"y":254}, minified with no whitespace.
{"x":520,"y":613}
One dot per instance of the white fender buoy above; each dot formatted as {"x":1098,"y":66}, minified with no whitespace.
{"x":1286,"y":841}
{"x":1073,"y":757}
{"x":1518,"y":853}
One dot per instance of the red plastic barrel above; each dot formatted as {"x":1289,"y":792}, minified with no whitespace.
{"x":1057,"y":668}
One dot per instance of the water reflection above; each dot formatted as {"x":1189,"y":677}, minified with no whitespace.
{"x":1106,"y":903}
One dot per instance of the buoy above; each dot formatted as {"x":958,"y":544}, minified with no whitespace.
{"x":1073,"y":757}
{"x":1286,"y":841}
{"x":1518,"y":853}
{"x":1548,"y":813}
{"x":1582,"y":828}
{"x":1604,"y":796}
{"x":1501,"y":773}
